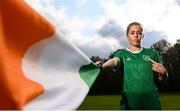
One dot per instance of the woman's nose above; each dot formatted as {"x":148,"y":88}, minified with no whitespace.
{"x":136,"y":35}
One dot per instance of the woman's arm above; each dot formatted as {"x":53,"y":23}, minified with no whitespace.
{"x":112,"y":64}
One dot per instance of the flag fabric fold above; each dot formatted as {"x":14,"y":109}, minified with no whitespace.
{"x":40,"y":68}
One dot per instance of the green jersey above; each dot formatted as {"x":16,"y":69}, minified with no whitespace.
{"x":139,"y":88}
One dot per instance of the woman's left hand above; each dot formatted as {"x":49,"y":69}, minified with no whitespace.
{"x":159,"y":68}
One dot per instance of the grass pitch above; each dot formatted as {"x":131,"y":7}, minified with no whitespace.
{"x":112,"y":102}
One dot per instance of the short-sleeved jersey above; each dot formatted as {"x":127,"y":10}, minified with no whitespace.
{"x":139,"y":88}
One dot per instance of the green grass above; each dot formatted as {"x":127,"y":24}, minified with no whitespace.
{"x":101,"y":102}
{"x":170,"y":101}
{"x":112,"y":102}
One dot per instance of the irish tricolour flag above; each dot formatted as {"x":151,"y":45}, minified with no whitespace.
{"x":39,"y":68}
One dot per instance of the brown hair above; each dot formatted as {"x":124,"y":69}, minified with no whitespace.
{"x":131,"y":24}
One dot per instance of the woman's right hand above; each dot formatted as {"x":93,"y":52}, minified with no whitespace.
{"x":99,"y":63}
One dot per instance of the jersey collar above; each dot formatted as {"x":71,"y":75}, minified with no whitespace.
{"x":135,"y":51}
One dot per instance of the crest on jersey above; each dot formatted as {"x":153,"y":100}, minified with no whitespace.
{"x":146,"y":57}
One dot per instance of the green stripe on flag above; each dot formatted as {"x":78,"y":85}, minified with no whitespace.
{"x":89,"y":73}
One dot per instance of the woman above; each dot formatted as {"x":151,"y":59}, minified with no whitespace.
{"x":139,"y":66}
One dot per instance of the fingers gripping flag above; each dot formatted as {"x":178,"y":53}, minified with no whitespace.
{"x":39,"y":68}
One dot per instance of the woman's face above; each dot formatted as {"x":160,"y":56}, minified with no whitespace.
{"x":135,"y":35}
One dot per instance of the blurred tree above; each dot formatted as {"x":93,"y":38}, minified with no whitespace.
{"x":97,"y":58}
{"x":175,"y":68}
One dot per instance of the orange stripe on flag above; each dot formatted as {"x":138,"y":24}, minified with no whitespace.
{"x":20,"y":28}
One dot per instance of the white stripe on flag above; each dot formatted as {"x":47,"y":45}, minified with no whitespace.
{"x":55,"y":63}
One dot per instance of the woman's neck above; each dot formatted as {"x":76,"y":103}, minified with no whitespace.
{"x":133,"y":48}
